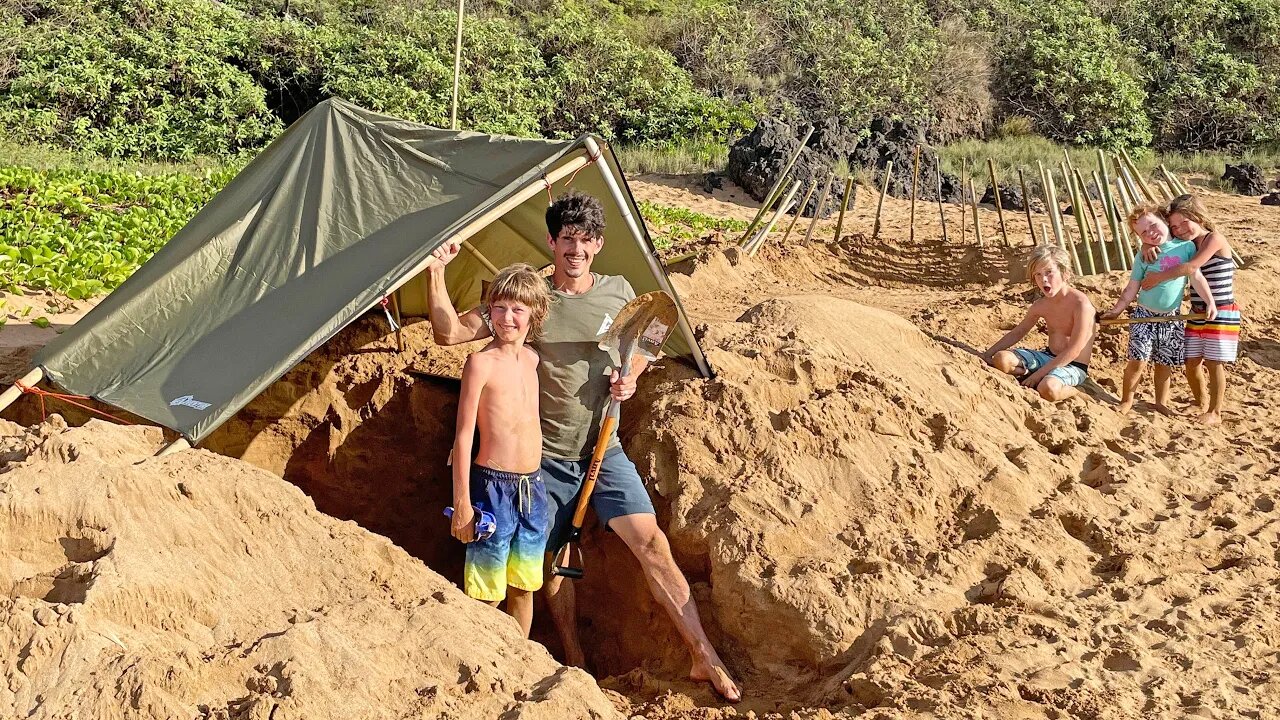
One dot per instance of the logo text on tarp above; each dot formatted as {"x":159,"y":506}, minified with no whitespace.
{"x":188,"y":401}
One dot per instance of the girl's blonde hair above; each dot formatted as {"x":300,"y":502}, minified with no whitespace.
{"x":1048,"y":254}
{"x":1190,"y":207}
{"x":1146,"y":209}
{"x":522,"y":284}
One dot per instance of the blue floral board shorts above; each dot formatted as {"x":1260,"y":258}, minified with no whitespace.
{"x":512,"y":556}
{"x":1071,"y":374}
{"x":1163,"y":343}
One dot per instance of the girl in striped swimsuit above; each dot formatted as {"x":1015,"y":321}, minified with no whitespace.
{"x":1210,"y":344}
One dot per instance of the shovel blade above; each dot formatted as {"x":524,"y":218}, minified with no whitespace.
{"x":645,"y":323}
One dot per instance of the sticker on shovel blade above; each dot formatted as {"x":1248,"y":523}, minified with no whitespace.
{"x":656,"y":333}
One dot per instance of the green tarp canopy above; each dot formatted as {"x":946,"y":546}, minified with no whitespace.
{"x":339,"y":212}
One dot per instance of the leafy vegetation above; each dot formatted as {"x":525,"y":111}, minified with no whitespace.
{"x":176,"y":79}
{"x":82,"y":233}
{"x":672,"y":226}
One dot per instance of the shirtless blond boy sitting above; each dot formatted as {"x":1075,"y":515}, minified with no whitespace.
{"x":1068,"y":315}
{"x":500,"y":396}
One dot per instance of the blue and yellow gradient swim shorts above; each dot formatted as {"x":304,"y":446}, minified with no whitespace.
{"x":513,"y":554}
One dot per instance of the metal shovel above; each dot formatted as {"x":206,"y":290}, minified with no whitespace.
{"x":641,"y":328}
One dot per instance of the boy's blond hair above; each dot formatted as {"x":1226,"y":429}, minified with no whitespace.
{"x":1048,"y":253}
{"x":521,"y":283}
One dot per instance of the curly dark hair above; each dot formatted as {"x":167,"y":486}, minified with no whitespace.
{"x":579,"y":211}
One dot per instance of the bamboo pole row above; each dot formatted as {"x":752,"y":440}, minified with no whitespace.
{"x":1095,"y":196}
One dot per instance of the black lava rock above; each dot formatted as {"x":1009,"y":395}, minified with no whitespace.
{"x":1246,"y":178}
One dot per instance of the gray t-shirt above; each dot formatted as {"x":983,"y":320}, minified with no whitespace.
{"x":572,"y":376}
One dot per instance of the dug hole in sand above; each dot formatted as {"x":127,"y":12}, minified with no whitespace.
{"x":870,"y":520}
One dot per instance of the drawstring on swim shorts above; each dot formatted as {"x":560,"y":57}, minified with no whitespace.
{"x":524,"y":494}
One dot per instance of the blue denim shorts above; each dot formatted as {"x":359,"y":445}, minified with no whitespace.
{"x":619,"y":491}
{"x":1071,"y":374}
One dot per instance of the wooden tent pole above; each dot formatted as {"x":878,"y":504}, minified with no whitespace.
{"x":176,"y":446}
{"x":14,"y":391}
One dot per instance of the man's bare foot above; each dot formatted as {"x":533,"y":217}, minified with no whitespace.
{"x":1125,"y":407}
{"x":712,"y":670}
{"x":1209,"y":418}
{"x":1164,"y":410}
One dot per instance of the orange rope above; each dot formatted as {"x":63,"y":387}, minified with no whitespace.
{"x":72,"y":399}
{"x":591,"y":160}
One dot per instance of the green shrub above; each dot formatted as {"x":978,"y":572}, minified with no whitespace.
{"x":1213,"y":69}
{"x":1065,"y":69}
{"x":604,"y":83}
{"x":132,"y":77}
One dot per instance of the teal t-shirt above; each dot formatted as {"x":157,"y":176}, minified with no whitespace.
{"x":1167,"y":296}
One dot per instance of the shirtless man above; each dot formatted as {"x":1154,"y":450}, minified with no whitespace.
{"x":1068,"y":315}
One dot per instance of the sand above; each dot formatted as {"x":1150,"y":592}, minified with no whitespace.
{"x":874,"y":524}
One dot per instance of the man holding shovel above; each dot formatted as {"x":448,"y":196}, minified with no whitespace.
{"x":574,"y":392}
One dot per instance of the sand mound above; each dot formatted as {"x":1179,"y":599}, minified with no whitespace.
{"x":199,"y":586}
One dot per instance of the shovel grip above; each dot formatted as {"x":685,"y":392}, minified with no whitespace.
{"x":607,"y":427}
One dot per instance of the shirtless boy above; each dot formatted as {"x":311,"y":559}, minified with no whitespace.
{"x":500,"y":395}
{"x":1068,"y":315}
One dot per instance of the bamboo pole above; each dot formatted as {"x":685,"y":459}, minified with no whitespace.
{"x":457,"y":71}
{"x":1131,"y":185}
{"x":1109,"y":210}
{"x":466,"y":245}
{"x":14,"y":391}
{"x":1133,"y":168}
{"x":977,"y":226}
{"x":1044,"y":233}
{"x":821,"y":207}
{"x":1113,"y":213}
{"x":964,"y":214}
{"x":844,"y":206}
{"x":778,"y":184}
{"x":1026,"y":205}
{"x":754,"y":246}
{"x":800,"y":210}
{"x":1097,"y":222}
{"x":915,"y":184}
{"x":1127,"y":206}
{"x":1077,"y":210}
{"x":1071,"y":248}
{"x":942,"y":214}
{"x":995,"y":190}
{"x":1051,"y":205}
{"x":884,"y":189}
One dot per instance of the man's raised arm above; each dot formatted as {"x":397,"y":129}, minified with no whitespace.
{"x":447,"y":327}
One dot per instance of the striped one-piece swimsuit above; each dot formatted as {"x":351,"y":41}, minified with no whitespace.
{"x":1218,"y":339}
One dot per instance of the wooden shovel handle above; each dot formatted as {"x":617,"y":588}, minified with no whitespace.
{"x":593,"y":471}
